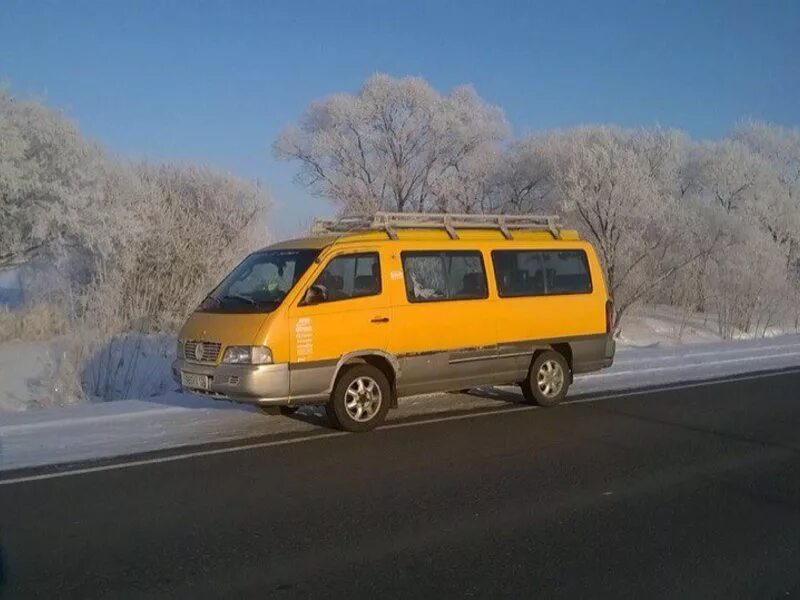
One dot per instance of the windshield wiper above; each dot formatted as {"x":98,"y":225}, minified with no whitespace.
{"x":238,"y":297}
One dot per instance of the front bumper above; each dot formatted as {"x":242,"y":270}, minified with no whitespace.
{"x":267,"y":385}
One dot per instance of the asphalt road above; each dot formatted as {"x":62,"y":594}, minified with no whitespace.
{"x":689,"y":493}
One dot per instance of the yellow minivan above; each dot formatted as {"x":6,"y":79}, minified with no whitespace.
{"x":368,"y":310}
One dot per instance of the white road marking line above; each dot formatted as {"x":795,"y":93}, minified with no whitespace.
{"x":172,"y":458}
{"x":697,"y":366}
{"x":334,"y":434}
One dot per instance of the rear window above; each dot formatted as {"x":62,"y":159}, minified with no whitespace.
{"x":541,"y":272}
{"x":437,"y":276}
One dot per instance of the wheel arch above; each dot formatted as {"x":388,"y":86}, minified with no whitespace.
{"x":386,"y":362}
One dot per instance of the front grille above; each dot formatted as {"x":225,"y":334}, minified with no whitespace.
{"x":208,"y":353}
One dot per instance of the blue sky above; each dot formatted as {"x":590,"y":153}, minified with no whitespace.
{"x":216,"y":81}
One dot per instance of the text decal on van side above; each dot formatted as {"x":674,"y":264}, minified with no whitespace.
{"x":304,"y":338}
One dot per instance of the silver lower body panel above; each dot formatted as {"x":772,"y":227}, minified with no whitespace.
{"x":311,"y":382}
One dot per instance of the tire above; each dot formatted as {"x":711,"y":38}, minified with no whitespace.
{"x":360,"y":399}
{"x":548,"y":379}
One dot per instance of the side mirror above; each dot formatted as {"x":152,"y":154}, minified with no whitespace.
{"x":316,"y":294}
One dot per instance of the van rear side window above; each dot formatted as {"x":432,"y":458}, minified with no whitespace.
{"x":436,"y":276}
{"x":541,"y":272}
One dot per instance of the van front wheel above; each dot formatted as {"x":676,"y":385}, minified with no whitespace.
{"x":360,"y":399}
{"x":548,"y":379}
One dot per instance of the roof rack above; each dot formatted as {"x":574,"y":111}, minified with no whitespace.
{"x":391,"y":222}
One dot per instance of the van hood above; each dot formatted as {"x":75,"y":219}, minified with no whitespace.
{"x":229,"y":329}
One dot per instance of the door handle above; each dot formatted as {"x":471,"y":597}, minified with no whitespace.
{"x":379,"y":320}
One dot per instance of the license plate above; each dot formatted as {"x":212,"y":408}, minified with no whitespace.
{"x":194,"y":381}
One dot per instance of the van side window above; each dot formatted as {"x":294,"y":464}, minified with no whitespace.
{"x":436,"y":276}
{"x":350,"y":276}
{"x":541,"y":272}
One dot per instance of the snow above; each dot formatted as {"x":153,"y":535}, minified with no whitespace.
{"x":104,"y":430}
{"x":669,"y":326}
{"x":139,"y":367}
{"x":23,"y":365}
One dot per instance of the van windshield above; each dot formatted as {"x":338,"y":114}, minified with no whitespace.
{"x":260,"y":282}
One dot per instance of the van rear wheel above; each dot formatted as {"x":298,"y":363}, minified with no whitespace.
{"x":360,"y":398}
{"x":548,"y":379}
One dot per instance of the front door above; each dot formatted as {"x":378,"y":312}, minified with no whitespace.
{"x":347,"y":310}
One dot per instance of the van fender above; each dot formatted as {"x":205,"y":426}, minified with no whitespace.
{"x":354,"y":356}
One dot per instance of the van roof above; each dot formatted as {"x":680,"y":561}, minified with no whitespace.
{"x":432,"y":227}
{"x":318,"y":242}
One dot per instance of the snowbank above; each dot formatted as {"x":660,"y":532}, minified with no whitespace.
{"x":23,"y":370}
{"x":669,"y":326}
{"x":130,"y":366}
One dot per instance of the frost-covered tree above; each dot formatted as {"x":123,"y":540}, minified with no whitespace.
{"x":135,"y":241}
{"x":60,"y":195}
{"x":777,"y":204}
{"x":524,"y":180}
{"x":739,"y":187}
{"x":135,"y":246}
{"x":197,"y":223}
{"x":472,"y":185}
{"x":392,"y":145}
{"x":731,"y":175}
{"x":616,"y":185}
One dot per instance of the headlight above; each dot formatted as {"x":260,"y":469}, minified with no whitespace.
{"x":247,"y":355}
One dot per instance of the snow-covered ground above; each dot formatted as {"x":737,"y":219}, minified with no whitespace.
{"x":89,"y":431}
{"x":23,"y":366}
{"x":669,"y":325}
{"x":131,"y":366}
